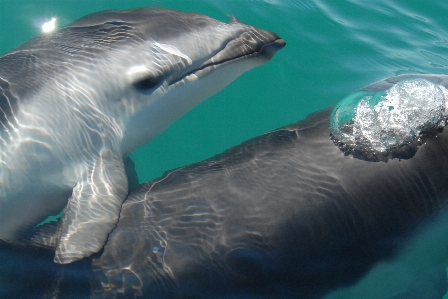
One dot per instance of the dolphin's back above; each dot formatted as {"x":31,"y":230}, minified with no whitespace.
{"x":287,"y":209}
{"x":57,"y":53}
{"x":284,"y":215}
{"x":24,"y":70}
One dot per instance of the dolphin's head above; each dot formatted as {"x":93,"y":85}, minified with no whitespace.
{"x":161,"y":63}
{"x":76,"y":100}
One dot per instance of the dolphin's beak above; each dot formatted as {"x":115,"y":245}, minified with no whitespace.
{"x":264,"y":42}
{"x":252,"y":43}
{"x":270,"y":49}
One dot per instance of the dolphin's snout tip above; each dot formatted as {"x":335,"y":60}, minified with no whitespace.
{"x":269,"y":49}
{"x":279,"y":44}
{"x":268,"y":42}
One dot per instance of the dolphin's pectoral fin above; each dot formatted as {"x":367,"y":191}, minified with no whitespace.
{"x":93,"y":210}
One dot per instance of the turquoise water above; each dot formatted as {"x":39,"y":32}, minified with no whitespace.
{"x":333,"y":48}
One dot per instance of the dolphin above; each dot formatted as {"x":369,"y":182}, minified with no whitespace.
{"x":73,"y":103}
{"x":288,"y":214}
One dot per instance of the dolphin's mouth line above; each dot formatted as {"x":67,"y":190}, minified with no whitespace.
{"x":254,"y":53}
{"x":210,"y":65}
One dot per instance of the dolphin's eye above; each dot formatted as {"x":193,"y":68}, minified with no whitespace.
{"x":146,"y":84}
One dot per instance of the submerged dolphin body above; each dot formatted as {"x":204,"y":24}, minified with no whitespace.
{"x":74,"y":102}
{"x":284,"y":215}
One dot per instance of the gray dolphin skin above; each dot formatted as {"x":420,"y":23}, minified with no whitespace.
{"x":288,"y":214}
{"x":73,"y":103}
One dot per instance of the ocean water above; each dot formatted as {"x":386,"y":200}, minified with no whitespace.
{"x":333,"y":48}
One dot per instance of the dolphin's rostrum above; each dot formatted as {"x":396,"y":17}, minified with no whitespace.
{"x":74,"y":102}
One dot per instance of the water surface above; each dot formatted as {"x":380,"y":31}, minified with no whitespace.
{"x":333,"y":48}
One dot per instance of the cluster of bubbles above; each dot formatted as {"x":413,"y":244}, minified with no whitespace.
{"x":376,"y":122}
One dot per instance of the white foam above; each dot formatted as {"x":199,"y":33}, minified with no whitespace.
{"x":395,"y":118}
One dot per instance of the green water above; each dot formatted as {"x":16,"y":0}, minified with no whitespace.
{"x":333,"y":48}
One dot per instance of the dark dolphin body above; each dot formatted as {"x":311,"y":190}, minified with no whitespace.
{"x":284,"y":215}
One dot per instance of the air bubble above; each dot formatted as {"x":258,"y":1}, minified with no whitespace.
{"x":376,"y":122}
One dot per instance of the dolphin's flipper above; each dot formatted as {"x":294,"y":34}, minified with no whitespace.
{"x":93,"y":210}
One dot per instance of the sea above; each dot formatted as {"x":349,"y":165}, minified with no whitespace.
{"x":333,"y":48}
